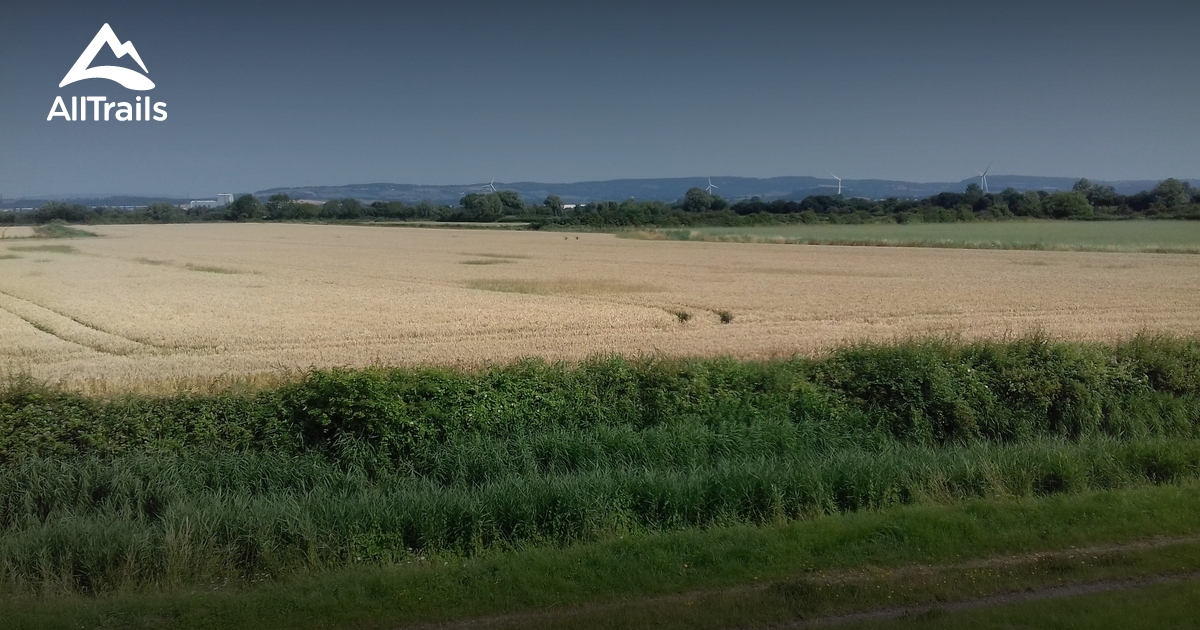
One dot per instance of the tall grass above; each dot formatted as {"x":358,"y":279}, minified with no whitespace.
{"x":375,"y":466}
{"x":99,"y":525}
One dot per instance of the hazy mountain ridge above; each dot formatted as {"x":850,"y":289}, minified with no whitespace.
{"x":660,"y":189}
{"x":671,"y":189}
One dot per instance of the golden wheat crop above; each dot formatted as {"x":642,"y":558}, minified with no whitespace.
{"x":15,"y":231}
{"x":192,"y":303}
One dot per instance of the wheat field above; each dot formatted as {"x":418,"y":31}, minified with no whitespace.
{"x":15,"y":231}
{"x":179,"y":306}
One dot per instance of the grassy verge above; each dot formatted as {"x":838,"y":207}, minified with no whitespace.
{"x":1164,"y":237}
{"x":108,"y":525}
{"x":844,"y":597}
{"x":776,"y":571}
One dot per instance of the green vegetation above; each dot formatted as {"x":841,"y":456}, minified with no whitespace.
{"x":189,"y":266}
{"x":211,"y":269}
{"x":382,"y":466}
{"x":1123,"y":236}
{"x":726,"y":576}
{"x":1170,"y":605}
{"x":1171,"y":198}
{"x":487,"y":261}
{"x":556,"y":287}
{"x":58,"y":229}
{"x":502,"y":256}
{"x":51,"y":249}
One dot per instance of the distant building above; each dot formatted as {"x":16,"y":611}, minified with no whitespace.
{"x":202,"y":203}
{"x":224,"y":199}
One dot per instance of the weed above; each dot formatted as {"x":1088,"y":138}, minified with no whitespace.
{"x":212,"y":269}
{"x":58,"y":229}
{"x":575,"y":286}
{"x":501,"y":256}
{"x":51,"y":249}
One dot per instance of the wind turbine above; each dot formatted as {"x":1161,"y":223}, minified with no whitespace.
{"x":839,"y":182}
{"x":708,"y":189}
{"x":492,"y":184}
{"x":983,"y":177}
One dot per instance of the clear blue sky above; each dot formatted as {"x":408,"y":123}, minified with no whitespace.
{"x":265,"y":94}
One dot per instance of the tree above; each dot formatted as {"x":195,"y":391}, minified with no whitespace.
{"x":425,"y":210}
{"x":344,"y":209}
{"x":554,"y":204}
{"x":480,"y":207}
{"x":246,"y":208}
{"x":160,"y":212}
{"x":1098,"y":195}
{"x":973,"y":194}
{"x":511,"y":200}
{"x":1170,"y":194}
{"x":279,"y":206}
{"x":697,"y":200}
{"x":59,"y":211}
{"x":1068,"y":205}
{"x":1102,"y":195}
{"x":1029,"y":205}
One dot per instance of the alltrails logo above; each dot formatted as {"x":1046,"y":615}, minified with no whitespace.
{"x":102,"y":108}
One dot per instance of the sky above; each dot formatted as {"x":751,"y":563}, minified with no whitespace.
{"x":271,"y":94}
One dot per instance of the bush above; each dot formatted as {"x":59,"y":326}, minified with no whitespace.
{"x":349,"y":466}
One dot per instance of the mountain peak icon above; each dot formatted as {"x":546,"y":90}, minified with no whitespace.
{"x":130,"y":79}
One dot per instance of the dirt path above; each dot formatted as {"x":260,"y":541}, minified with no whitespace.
{"x":1053,"y":592}
{"x":848,"y":576}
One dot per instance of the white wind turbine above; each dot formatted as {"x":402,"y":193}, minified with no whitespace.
{"x":983,"y":177}
{"x":492,"y":185}
{"x":708,"y":189}
{"x":839,"y":180}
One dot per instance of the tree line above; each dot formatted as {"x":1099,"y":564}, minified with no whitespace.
{"x":1171,"y":198}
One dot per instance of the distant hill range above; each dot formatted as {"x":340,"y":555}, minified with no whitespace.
{"x":733,"y":188}
{"x":92,"y":201}
{"x":667,"y":189}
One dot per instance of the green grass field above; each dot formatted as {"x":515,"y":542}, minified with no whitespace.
{"x":1117,"y":236}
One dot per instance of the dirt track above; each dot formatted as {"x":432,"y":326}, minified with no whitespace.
{"x":1052,"y":591}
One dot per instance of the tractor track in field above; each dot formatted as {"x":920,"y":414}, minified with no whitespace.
{"x":1055,"y":591}
{"x":72,"y":330}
